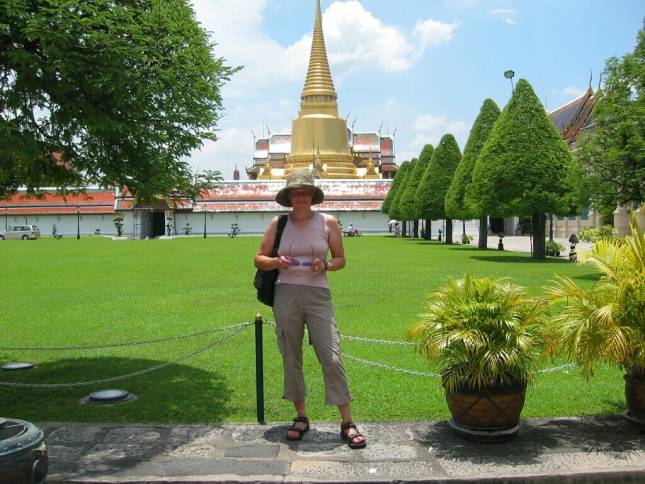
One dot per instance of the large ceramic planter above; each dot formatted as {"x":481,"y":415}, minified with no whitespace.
{"x":487,"y":409}
{"x":23,"y":453}
{"x":635,"y":396}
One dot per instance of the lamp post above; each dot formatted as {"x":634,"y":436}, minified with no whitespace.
{"x":509,"y":74}
{"x":204,"y":223}
{"x":6,"y":218}
{"x":550,"y":227}
{"x":78,"y":222}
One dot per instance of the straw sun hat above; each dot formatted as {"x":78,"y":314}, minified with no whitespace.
{"x":299,"y":179}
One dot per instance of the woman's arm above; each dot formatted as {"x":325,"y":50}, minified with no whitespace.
{"x":335,"y":239}
{"x":263,"y":258}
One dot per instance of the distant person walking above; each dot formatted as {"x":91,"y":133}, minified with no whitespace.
{"x":302,"y":297}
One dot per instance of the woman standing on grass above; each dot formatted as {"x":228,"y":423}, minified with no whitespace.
{"x":302,"y":297}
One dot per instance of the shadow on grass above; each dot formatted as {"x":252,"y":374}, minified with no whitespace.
{"x":535,"y":438}
{"x":522,"y":259}
{"x":588,"y":277}
{"x":176,"y":393}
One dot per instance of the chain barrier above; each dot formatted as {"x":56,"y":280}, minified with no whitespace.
{"x":377,"y":341}
{"x":406,"y":343}
{"x":236,"y":329}
{"x":557,"y":368}
{"x":391,"y":368}
{"x":122,"y":345}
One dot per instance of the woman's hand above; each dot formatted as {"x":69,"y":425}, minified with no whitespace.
{"x":284,"y":262}
{"x":318,"y":265}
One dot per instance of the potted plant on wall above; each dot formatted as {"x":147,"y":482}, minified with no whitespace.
{"x":486,"y":335}
{"x":607,"y":322}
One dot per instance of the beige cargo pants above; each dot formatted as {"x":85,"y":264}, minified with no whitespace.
{"x":296,"y":306}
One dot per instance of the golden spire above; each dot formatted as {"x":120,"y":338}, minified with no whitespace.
{"x":319,"y":81}
{"x":318,"y":121}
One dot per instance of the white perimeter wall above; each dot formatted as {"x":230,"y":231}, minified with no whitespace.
{"x":217,"y":223}
{"x":65,"y":224}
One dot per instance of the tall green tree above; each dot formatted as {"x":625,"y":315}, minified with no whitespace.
{"x":440,"y":171}
{"x":107,"y":92}
{"x":419,"y":209}
{"x":397,"y":182}
{"x":395,"y":212}
{"x":612,"y":155}
{"x":407,"y":204}
{"x":522,"y":168}
{"x":458,"y":204}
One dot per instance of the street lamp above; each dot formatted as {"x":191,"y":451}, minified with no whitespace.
{"x":78,"y":222}
{"x":204,"y":223}
{"x":509,"y":74}
{"x":6,"y":217}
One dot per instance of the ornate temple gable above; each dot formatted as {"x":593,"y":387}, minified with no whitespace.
{"x":574,"y":117}
{"x":94,"y":201}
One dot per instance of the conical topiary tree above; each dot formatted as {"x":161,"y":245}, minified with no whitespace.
{"x":458,"y":202}
{"x":395,"y":209}
{"x":442,"y":167}
{"x":522,"y":168}
{"x":407,"y":204}
{"x":394,"y":187}
{"x":398,"y":185}
{"x":424,"y":158}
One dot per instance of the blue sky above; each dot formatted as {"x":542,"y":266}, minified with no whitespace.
{"x":423,"y":67}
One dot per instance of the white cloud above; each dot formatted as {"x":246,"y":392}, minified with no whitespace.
{"x":354,"y":37}
{"x":434,"y":32}
{"x":506,"y":15}
{"x":573,"y":91}
{"x":430,"y":129}
{"x":234,"y":147}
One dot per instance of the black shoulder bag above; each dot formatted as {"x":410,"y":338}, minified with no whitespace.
{"x":264,"y":281}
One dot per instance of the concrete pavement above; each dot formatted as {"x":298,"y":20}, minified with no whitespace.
{"x":587,"y":449}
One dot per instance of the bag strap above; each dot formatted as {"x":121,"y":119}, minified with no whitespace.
{"x":282,"y":222}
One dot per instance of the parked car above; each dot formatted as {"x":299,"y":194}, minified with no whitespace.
{"x":24,"y":232}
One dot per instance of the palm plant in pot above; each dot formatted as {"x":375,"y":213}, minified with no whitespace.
{"x":607,"y":322}
{"x":487,"y":337}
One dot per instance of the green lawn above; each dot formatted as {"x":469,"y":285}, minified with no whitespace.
{"x":96,"y":291}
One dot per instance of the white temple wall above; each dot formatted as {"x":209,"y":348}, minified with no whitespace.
{"x":66,"y":224}
{"x":255,"y":223}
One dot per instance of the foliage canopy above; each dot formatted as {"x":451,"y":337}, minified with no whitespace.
{"x":523,"y":166}
{"x":612,"y":155}
{"x":457,"y":203}
{"x":107,"y":92}
{"x":437,"y":178}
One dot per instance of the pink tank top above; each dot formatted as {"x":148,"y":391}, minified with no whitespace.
{"x":302,"y":245}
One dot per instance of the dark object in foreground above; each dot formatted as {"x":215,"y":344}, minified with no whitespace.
{"x":23,"y":453}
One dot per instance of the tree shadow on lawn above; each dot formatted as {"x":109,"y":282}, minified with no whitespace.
{"x":522,"y":259}
{"x":535,"y":438}
{"x":176,"y":393}
{"x":588,"y":277}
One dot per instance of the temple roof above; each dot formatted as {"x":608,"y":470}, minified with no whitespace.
{"x":574,"y":116}
{"x":94,"y":201}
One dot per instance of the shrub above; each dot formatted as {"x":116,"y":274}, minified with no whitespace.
{"x":591,"y":234}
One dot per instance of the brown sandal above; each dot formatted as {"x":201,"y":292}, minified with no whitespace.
{"x":350,"y":440}
{"x":295,"y":428}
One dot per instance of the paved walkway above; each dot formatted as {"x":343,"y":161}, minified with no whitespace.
{"x":522,"y":243}
{"x":607,"y":449}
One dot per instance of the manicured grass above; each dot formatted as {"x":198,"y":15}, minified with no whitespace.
{"x":95,"y":290}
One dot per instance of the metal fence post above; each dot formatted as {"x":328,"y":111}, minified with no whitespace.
{"x":259,"y":369}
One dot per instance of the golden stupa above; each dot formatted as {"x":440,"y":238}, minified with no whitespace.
{"x":318,"y":135}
